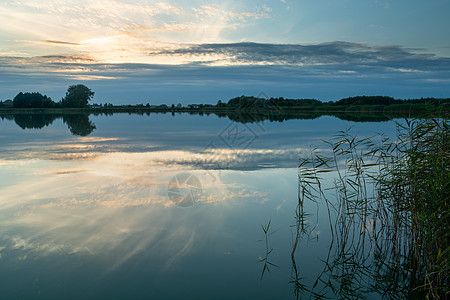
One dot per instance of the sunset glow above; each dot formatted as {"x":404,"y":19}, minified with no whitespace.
{"x":286,"y":48}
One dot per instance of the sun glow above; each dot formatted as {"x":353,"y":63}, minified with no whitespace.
{"x":117,"y":32}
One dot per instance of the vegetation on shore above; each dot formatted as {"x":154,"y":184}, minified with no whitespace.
{"x":389,"y":216}
{"x":34,"y":110}
{"x":78,"y":96}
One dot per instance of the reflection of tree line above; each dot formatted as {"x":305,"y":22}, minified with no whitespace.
{"x":281,"y":116}
{"x":78,"y":124}
{"x":253,"y":116}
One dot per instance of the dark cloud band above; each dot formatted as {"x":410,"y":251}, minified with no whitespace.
{"x":324,"y":71}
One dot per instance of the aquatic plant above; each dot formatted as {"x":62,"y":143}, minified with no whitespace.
{"x":388,"y":211}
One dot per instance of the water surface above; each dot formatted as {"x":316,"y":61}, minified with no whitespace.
{"x":159,"y":206}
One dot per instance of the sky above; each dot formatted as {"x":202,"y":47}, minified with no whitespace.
{"x":204,"y":51}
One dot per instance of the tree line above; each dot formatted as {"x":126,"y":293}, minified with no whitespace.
{"x":250,"y":101}
{"x":77,"y":96}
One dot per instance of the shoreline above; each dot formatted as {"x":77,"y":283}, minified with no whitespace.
{"x":401,"y":108}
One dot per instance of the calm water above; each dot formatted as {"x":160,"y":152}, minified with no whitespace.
{"x":158,"y":207}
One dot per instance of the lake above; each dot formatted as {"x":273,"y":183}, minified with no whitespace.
{"x":164,"y":206}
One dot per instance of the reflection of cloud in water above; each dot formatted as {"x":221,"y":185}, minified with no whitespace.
{"x":75,"y":148}
{"x":221,"y":158}
{"x":114,"y":204}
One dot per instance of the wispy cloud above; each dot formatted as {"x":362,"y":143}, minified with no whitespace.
{"x":340,"y":56}
{"x":235,"y":64}
{"x":333,"y":53}
{"x":60,"y":43}
{"x":102,"y":28}
{"x":214,"y":11}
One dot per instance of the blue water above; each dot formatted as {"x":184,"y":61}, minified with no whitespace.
{"x":159,"y":207}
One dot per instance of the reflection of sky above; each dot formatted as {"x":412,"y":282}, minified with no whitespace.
{"x":104,"y":199}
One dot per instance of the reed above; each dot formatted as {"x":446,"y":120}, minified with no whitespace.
{"x":388,"y":211}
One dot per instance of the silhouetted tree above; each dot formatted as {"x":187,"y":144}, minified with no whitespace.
{"x":77,"y":96}
{"x":367,"y":100}
{"x":220,"y":104}
{"x":6,"y":103}
{"x":253,"y":102}
{"x":32,"y":100}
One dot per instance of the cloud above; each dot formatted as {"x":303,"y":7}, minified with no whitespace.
{"x":342,"y":56}
{"x":172,"y":70}
{"x":89,"y":149}
{"x":333,"y":53}
{"x":214,"y":11}
{"x":106,"y":203}
{"x":60,"y":43}
{"x":76,"y":22}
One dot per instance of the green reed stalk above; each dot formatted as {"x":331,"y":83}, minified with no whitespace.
{"x":392,"y":197}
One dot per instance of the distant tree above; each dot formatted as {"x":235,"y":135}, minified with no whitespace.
{"x":253,"y":102}
{"x":367,"y":100}
{"x":77,"y":96}
{"x":32,"y":100}
{"x":244,"y":102}
{"x":6,"y":103}
{"x":47,"y":102}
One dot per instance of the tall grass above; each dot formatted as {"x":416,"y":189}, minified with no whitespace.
{"x":388,"y":211}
